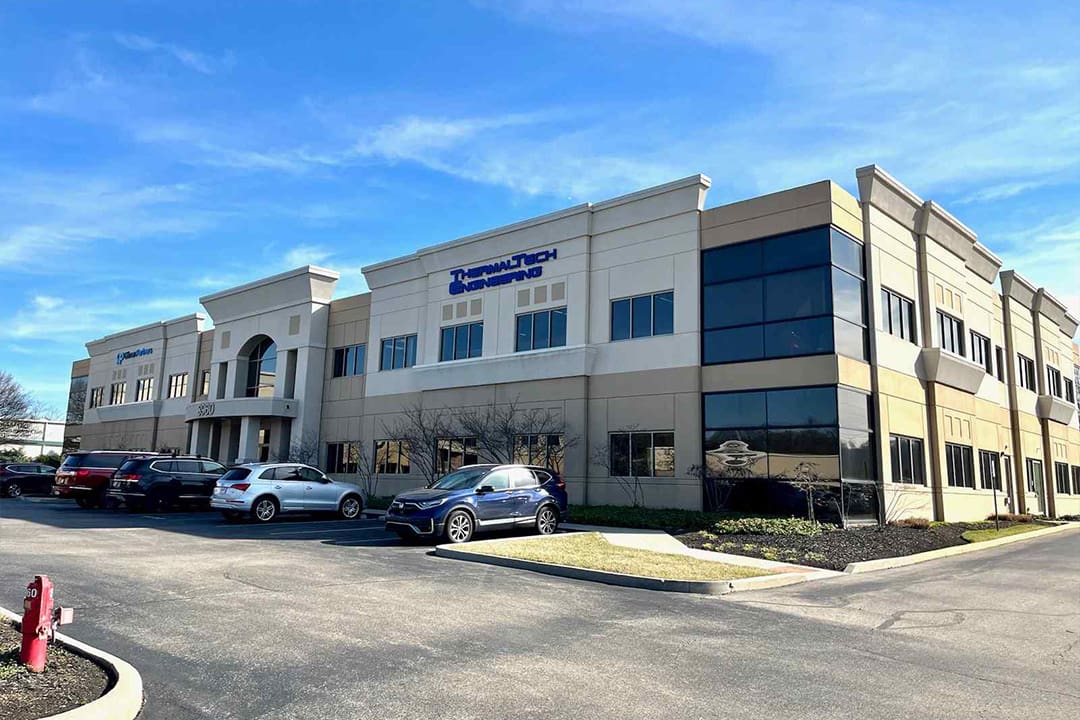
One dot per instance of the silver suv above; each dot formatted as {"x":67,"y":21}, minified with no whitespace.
{"x":263,"y":490}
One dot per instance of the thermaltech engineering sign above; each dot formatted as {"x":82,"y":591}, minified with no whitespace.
{"x":523,"y":266}
{"x":131,"y":354}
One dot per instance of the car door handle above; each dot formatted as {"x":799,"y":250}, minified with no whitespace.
{"x":277,"y":487}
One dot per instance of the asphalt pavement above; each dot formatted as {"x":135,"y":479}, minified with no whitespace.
{"x":335,"y":619}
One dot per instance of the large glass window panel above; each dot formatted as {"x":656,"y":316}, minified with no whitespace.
{"x":541,"y":330}
{"x":849,"y":339}
{"x":797,"y":249}
{"x":737,"y":409}
{"x":733,"y":345}
{"x":856,"y":455}
{"x":641,"y":445}
{"x":853,"y":408}
{"x":736,"y":453}
{"x":848,"y":297}
{"x":802,"y":293}
{"x":476,"y":340}
{"x":524,"y":333}
{"x":663,"y":313}
{"x":619,"y":463}
{"x":847,"y":253}
{"x":387,"y":360}
{"x":461,"y":342}
{"x":795,"y":452}
{"x":620,"y":319}
{"x":798,"y":337}
{"x":558,"y":327}
{"x":339,"y":362}
{"x":733,"y":261}
{"x":410,"y":350}
{"x":734,"y":303}
{"x":663,"y":454}
{"x":642,"y":316}
{"x":399,"y":352}
{"x":797,"y":407}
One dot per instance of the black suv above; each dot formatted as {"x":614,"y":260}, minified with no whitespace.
{"x":25,"y":478}
{"x":165,"y":481}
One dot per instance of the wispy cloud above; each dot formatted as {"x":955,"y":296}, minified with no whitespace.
{"x":305,"y":255}
{"x":199,"y":62}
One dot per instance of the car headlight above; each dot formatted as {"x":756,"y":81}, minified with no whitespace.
{"x":428,"y":504}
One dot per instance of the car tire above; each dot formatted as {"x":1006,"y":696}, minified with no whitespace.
{"x":84,"y":501}
{"x":13,"y":489}
{"x":351,"y":507}
{"x":264,"y":509}
{"x":459,"y":527}
{"x":547,"y":520}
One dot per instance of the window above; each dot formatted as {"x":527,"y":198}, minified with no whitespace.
{"x":205,"y":384}
{"x":454,"y":453}
{"x":1034,"y":475}
{"x":643,"y":316}
{"x":144,"y":389}
{"x":461,"y":342}
{"x":391,"y":457}
{"x":1053,"y":382}
{"x":343,"y":458}
{"x":641,"y":454}
{"x":397,"y":352}
{"x":950,"y":333}
{"x":907,"y":460}
{"x":349,"y":361}
{"x":999,"y":359}
{"x":1061,"y":477}
{"x":117,"y":393}
{"x":790,"y":295}
{"x":1070,"y":390}
{"x":989,"y":470}
{"x":178,"y":385}
{"x":262,"y":369}
{"x":97,"y":397}
{"x":897,"y":315}
{"x":539,"y":330}
{"x":980,"y":352}
{"x":1026,"y":368}
{"x":959,"y":465}
{"x":543,"y":450}
{"x":1076,"y":480}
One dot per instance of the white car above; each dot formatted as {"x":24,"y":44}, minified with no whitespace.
{"x":263,"y":490}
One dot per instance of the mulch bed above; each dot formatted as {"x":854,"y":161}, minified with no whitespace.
{"x":69,"y":680}
{"x":834,"y":550}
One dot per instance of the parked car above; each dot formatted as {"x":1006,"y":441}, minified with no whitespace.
{"x":20,"y":479}
{"x":479,"y":498}
{"x":265,"y":490}
{"x":165,"y":481}
{"x":85,"y":475}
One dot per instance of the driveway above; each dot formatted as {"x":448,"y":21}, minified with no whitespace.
{"x":304,"y":619}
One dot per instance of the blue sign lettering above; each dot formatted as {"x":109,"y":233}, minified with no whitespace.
{"x":129,"y":354}
{"x":523,"y":266}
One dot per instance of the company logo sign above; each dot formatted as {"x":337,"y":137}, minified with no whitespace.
{"x":523,"y":266}
{"x":131,"y":354}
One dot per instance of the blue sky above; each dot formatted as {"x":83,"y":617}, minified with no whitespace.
{"x":153,"y":152}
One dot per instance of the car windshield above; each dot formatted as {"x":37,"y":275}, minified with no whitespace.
{"x":461,"y":479}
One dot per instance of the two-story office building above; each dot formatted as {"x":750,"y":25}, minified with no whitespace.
{"x":864,"y":354}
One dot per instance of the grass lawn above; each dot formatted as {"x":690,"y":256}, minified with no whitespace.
{"x":991,"y":534}
{"x":591,"y":551}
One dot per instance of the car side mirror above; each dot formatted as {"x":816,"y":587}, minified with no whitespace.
{"x":484,"y":489}
{"x":326,"y":481}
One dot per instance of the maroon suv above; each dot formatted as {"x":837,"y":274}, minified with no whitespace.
{"x":85,"y":475}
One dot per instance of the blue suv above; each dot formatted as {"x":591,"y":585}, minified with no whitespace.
{"x":481,"y":497}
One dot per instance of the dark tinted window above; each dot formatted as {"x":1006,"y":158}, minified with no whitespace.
{"x":731,"y":262}
{"x":193,"y":467}
{"x":848,"y":297}
{"x":745,"y":343}
{"x":102,"y":461}
{"x":742,"y":409}
{"x":847,"y":253}
{"x":797,"y":294}
{"x":310,"y":475}
{"x":802,"y":406}
{"x":642,"y":314}
{"x":558,"y":327}
{"x":131,"y":466}
{"x":164,"y":466}
{"x":849,"y":340}
{"x":856,"y":455}
{"x":663,"y":313}
{"x":236,"y":474}
{"x":798,"y":249}
{"x":541,"y":330}
{"x":211,"y":468}
{"x":853,"y":408}
{"x":798,"y":337}
{"x":620,"y":319}
{"x":735,"y":303}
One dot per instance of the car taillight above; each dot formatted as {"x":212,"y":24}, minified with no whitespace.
{"x":240,"y":486}
{"x":560,"y":484}
{"x":82,"y":473}
{"x":130,"y":476}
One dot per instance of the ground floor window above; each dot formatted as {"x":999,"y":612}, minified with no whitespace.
{"x":453,"y":453}
{"x":1034,"y":475}
{"x":642,"y":454}
{"x":959,"y":465}
{"x":907,"y":460}
{"x":989,"y":470}
{"x":391,"y":457}
{"x":1061,"y":477}
{"x":343,"y":457}
{"x":543,"y":450}
{"x":1076,"y":479}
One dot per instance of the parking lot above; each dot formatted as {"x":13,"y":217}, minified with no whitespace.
{"x":323,"y":618}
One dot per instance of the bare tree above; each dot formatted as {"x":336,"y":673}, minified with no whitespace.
{"x":630,"y":481}
{"x":304,"y":450}
{"x":420,"y":429}
{"x":362,"y":471}
{"x":806,"y":477}
{"x":503,"y":430}
{"x":17,"y":408}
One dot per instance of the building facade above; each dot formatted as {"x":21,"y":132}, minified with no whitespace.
{"x":42,"y":437}
{"x":805,"y":351}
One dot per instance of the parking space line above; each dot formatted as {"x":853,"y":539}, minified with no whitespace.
{"x":326,"y":530}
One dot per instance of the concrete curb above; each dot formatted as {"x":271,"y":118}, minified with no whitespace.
{"x":374,"y":514}
{"x":903,"y":560}
{"x":703,"y":587}
{"x":124,"y":698}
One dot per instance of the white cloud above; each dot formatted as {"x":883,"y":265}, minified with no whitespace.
{"x":305,"y":255}
{"x":191,"y":59}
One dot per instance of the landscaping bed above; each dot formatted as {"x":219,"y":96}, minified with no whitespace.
{"x":833,"y":549}
{"x":69,"y":681}
{"x":671,"y":520}
{"x":592,"y":552}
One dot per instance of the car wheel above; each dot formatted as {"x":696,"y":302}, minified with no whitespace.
{"x":351,"y":507}
{"x":459,"y":527}
{"x":83,"y":501}
{"x":13,"y":489}
{"x":264,"y":509}
{"x":547,"y":520}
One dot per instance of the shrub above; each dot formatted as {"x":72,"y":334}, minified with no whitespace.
{"x":770,"y":526}
{"x":1012,"y":517}
{"x":645,"y":518}
{"x":913,"y":522}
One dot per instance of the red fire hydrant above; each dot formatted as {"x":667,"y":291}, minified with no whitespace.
{"x":37,"y":623}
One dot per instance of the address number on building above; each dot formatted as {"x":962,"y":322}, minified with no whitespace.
{"x":204,"y":410}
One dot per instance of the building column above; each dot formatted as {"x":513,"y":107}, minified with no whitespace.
{"x":249,"y":439}
{"x":200,"y":438}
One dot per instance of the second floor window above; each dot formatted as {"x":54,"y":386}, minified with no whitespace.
{"x":178,"y":385}
{"x":897,"y":315}
{"x":262,"y":369}
{"x":397,"y":352}
{"x":144,"y":389}
{"x":951,"y":333}
{"x":999,"y":359}
{"x":97,"y":397}
{"x":349,"y":361}
{"x":117,"y":393}
{"x":461,"y":342}
{"x":539,"y":330}
{"x":960,"y":465}
{"x":205,"y":390}
{"x":980,"y":352}
{"x":1053,"y":382}
{"x":1026,"y":372}
{"x":1070,"y":390}
{"x":643,"y":316}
